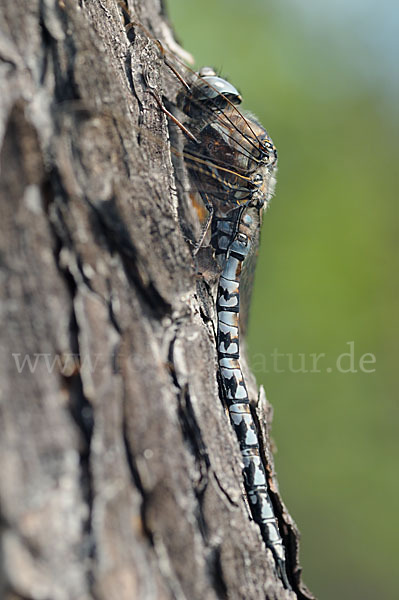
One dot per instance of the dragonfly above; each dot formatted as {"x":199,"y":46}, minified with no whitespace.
{"x":231,"y":161}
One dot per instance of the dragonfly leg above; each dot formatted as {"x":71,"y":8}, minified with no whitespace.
{"x":205,"y":227}
{"x":176,"y":121}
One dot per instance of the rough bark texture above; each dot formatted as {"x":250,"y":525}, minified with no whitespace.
{"x":120,"y":472}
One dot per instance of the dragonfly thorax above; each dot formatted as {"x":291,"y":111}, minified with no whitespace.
{"x":239,"y":158}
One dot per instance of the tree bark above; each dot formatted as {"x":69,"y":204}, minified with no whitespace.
{"x":120,"y":472}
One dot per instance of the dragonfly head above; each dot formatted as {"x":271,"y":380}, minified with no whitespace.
{"x":215,"y":90}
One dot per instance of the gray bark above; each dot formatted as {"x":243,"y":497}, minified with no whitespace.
{"x":120,"y":473}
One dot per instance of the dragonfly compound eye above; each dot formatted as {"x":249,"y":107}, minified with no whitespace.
{"x":215,"y":89}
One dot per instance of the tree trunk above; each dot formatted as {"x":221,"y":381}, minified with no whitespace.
{"x":120,"y":472}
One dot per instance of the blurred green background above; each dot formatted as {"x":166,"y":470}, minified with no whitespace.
{"x":323,"y":79}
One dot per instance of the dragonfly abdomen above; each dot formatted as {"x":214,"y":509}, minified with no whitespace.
{"x":235,"y":389}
